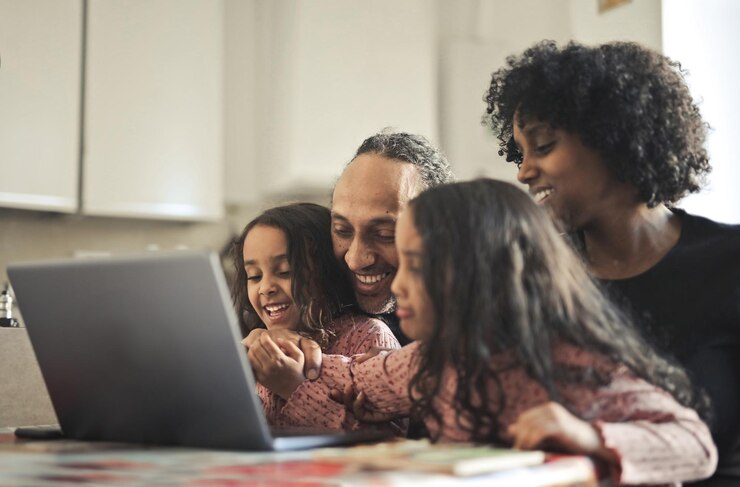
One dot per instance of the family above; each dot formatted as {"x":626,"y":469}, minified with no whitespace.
{"x":589,"y":316}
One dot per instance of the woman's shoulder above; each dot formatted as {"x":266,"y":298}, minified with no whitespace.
{"x":699,"y":229}
{"x":707,"y":247}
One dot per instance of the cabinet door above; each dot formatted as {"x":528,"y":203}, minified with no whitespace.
{"x":40,"y":72}
{"x":153,"y":109}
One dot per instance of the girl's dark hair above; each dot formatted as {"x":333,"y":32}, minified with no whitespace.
{"x":320,"y":289}
{"x":630,"y":104}
{"x":502,"y":279}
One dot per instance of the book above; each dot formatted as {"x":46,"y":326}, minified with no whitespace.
{"x":458,"y":459}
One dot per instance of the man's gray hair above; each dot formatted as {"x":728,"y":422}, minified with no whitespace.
{"x":415,"y":149}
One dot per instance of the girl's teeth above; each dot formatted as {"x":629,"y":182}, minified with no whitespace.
{"x":276,"y":308}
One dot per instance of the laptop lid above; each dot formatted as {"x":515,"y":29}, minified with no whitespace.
{"x":145,"y":349}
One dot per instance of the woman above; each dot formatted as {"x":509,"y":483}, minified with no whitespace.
{"x":608,"y":139}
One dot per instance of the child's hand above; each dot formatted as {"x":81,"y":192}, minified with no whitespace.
{"x":552,"y":425}
{"x":277,"y":366}
{"x":361,"y":411}
{"x":310,"y":349}
{"x":357,"y":404}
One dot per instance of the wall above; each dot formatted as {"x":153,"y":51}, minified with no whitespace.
{"x":30,"y":235}
{"x":23,"y":396}
{"x":240,"y":116}
{"x":697,"y":35}
{"x":638,"y":21}
{"x":475,"y":36}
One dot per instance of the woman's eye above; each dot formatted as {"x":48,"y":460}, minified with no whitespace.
{"x":284,"y":274}
{"x":254,"y":278}
{"x":545,"y":148}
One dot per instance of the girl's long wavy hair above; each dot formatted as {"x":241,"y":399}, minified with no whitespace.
{"x":320,"y":289}
{"x":501,"y":278}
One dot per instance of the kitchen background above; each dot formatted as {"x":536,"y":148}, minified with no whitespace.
{"x":135,"y":125}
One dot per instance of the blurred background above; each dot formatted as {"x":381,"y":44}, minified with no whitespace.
{"x":135,"y":125}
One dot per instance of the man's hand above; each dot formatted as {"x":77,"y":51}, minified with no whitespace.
{"x":310,"y":349}
{"x":277,"y":365}
{"x":551,"y":425}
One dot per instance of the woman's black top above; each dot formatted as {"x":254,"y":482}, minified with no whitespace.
{"x":688,"y":304}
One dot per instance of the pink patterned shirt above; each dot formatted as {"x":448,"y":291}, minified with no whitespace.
{"x":657,"y":440}
{"x":355,"y":334}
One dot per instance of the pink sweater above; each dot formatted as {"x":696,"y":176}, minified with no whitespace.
{"x":355,"y":334}
{"x":656,"y":439}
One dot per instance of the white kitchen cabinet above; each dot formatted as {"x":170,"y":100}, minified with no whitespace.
{"x":331,"y":73}
{"x":40,"y":73}
{"x":153,"y":110}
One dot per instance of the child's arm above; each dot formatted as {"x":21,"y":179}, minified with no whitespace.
{"x":271,"y":405}
{"x":383,"y":379}
{"x":653,"y":437}
{"x":639,"y":429}
{"x":551,"y":424}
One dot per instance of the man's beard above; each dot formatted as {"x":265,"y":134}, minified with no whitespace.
{"x":376,"y":306}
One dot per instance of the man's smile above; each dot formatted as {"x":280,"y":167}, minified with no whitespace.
{"x":370,"y":283}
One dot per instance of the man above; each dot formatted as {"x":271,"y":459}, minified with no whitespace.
{"x":387,"y":171}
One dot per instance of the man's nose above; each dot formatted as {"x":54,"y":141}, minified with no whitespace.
{"x":359,"y":255}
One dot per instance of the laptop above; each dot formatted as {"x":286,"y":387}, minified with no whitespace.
{"x":146,"y":349}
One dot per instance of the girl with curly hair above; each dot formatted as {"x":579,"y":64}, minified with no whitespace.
{"x":516,"y":345}
{"x":287,"y":277}
{"x":609,"y":139}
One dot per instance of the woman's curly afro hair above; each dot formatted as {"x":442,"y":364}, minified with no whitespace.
{"x":630,"y":104}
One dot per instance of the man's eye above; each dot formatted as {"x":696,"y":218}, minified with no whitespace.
{"x":386,"y":237}
{"x":342,"y":232}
